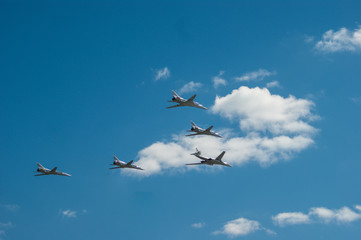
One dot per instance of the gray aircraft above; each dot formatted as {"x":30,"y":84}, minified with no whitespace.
{"x":44,"y":171}
{"x":184,"y":102}
{"x":201,"y":131}
{"x":121,"y":164}
{"x":209,"y":161}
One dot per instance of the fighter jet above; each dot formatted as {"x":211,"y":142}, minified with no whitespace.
{"x":121,"y":164}
{"x":44,"y":171}
{"x":183,"y":102}
{"x":201,"y":131}
{"x":209,"y":161}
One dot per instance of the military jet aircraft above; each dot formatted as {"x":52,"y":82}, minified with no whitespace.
{"x":183,"y":102}
{"x":44,"y":171}
{"x":209,"y":161}
{"x":201,"y":131}
{"x":121,"y":164}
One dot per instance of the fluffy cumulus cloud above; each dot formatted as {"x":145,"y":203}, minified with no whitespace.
{"x":290,"y":218}
{"x":274,"y":128}
{"x":239,"y":227}
{"x":190,"y":87}
{"x":162,"y":74}
{"x":217,"y":80}
{"x":318,"y":215}
{"x":259,"y":110}
{"x":341,"y":40}
{"x":260,"y":74}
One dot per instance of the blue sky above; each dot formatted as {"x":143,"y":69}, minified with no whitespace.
{"x":81,"y":82}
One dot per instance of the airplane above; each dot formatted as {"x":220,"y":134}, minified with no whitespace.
{"x":44,"y":171}
{"x":201,"y":131}
{"x":209,"y":161}
{"x":121,"y":164}
{"x":183,"y":102}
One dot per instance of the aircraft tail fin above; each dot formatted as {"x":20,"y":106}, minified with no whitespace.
{"x":209,"y":129}
{"x":219,"y":158}
{"x":174,"y":93}
{"x":192,"y":98}
{"x":115,"y":158}
{"x":39,"y":165}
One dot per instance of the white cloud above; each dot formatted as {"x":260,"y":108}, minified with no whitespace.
{"x":318,"y":215}
{"x":259,"y":110}
{"x":341,"y":40}
{"x":217,"y":80}
{"x":162,"y":74}
{"x":342,"y":215}
{"x":198,"y":225}
{"x":68,"y":213}
{"x":290,"y":218}
{"x":190,"y":87}
{"x":239,"y":227}
{"x":260,"y":74}
{"x":273,"y":84}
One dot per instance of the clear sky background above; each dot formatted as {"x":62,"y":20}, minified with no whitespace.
{"x":82,"y":81}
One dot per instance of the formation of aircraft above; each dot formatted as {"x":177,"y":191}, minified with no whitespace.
{"x":184,"y":102}
{"x":44,"y":171}
{"x":201,"y":131}
{"x":209,"y":161}
{"x":197,"y":131}
{"x":121,"y":164}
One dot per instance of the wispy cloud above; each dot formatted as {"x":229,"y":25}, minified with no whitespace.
{"x":275,"y":129}
{"x":10,"y":207}
{"x":198,"y":225}
{"x":309,"y":39}
{"x":318,"y":215}
{"x":68,"y":213}
{"x":217,"y":80}
{"x":260,"y":74}
{"x":162,"y":74}
{"x":190,"y":87}
{"x":273,"y":84}
{"x":3,"y":227}
{"x":341,"y":40}
{"x":356,"y":99}
{"x":6,"y":225}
